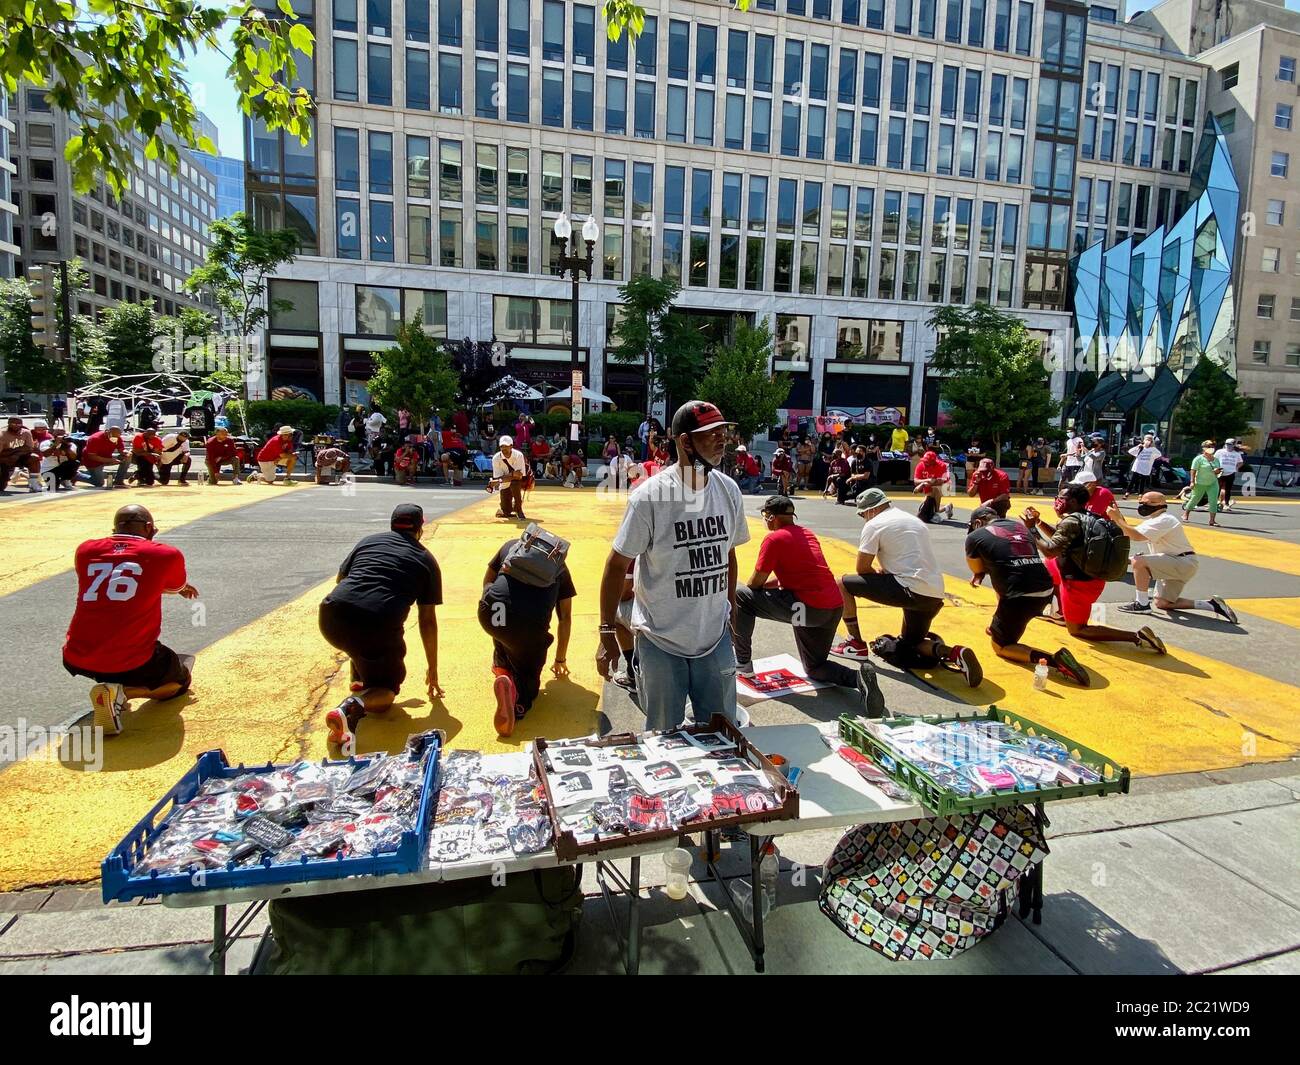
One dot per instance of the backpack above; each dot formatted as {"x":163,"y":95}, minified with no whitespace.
{"x":1102,"y":552}
{"x":537,"y":558}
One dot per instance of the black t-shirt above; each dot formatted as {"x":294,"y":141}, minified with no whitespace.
{"x":527,"y":602}
{"x":1007,"y":550}
{"x":386,"y":573}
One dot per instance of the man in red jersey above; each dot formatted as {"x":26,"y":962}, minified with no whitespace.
{"x":219,"y":450}
{"x":113,"y":636}
{"x":278,"y":451}
{"x":792,"y":584}
{"x":101,"y":450}
{"x":146,"y":449}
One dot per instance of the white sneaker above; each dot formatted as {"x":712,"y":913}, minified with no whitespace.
{"x":949,"y":509}
{"x":35,"y":484}
{"x":109,"y":702}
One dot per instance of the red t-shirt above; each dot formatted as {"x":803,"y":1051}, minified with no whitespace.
{"x":451,"y":441}
{"x":218,"y":451}
{"x":747,"y":464}
{"x":101,"y":445}
{"x":994,"y":486}
{"x":926,"y":471}
{"x":1102,"y":500}
{"x":275,"y":448}
{"x":151,"y":447}
{"x":794,"y":555}
{"x":118,"y":617}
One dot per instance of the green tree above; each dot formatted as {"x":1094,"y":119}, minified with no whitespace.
{"x":481,"y":375}
{"x":623,"y":15}
{"x":118,"y":67}
{"x":240,"y":259}
{"x":673,"y":347}
{"x":29,"y":368}
{"x":994,"y":374}
{"x":128,"y":331}
{"x":1211,"y":408}
{"x":740,"y":385}
{"x":415,"y":373}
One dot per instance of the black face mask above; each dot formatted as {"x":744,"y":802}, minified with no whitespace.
{"x":697,"y":459}
{"x":1147,"y":509}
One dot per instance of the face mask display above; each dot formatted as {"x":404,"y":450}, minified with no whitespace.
{"x":1147,"y":509}
{"x":1058,"y":504}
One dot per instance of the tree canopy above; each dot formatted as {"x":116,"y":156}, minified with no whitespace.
{"x":1211,"y":408}
{"x":416,"y":372}
{"x":739,"y":383}
{"x":673,"y":347}
{"x":239,"y":261}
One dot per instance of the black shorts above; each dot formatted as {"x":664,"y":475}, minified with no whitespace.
{"x":373,"y":642}
{"x":164,"y":667}
{"x":456,"y":456}
{"x":1013,"y":616}
{"x":884,"y":588}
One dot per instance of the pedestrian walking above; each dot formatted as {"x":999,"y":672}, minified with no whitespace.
{"x":1205,"y":483}
{"x":1144,"y":460}
{"x":1230,"y":461}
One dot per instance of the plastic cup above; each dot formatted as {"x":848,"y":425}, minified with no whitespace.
{"x":742,"y":717}
{"x":678,"y":864}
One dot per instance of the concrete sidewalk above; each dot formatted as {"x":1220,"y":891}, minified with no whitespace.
{"x":1195,"y":873}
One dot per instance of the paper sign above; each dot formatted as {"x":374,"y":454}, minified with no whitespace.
{"x":774,"y":677}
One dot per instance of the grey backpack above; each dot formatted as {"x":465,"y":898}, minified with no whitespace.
{"x":537,"y":558}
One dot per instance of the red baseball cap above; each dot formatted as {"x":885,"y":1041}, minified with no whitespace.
{"x":695,"y":415}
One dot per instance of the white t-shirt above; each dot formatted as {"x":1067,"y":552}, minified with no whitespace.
{"x":1144,"y":459}
{"x":47,"y":446}
{"x":681,"y":539}
{"x":115,"y":417}
{"x":1230,"y":460}
{"x":1094,"y":461}
{"x":375,"y":424}
{"x":1165,"y":535}
{"x":1074,"y":451}
{"x":174,"y":450}
{"x":901,"y":543}
{"x":516,"y":463}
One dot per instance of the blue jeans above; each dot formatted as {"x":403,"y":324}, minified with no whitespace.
{"x":748,"y":483}
{"x":95,"y":475}
{"x":665,"y":680}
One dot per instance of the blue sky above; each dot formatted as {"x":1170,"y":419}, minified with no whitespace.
{"x":216,"y":98}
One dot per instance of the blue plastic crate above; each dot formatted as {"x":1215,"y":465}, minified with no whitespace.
{"x":119,"y":885}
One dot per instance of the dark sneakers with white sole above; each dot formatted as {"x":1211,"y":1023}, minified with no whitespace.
{"x":1223,"y":610}
{"x":1146,"y":637}
{"x":109,"y":703}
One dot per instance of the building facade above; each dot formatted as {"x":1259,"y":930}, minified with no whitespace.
{"x":1251,"y":49}
{"x":838,"y":168}
{"x":8,"y":208}
{"x":142,"y":247}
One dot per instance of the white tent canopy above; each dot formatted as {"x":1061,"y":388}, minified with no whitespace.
{"x":587,"y":394}
{"x":133,"y":389}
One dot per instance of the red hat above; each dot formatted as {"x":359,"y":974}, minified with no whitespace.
{"x":695,"y":415}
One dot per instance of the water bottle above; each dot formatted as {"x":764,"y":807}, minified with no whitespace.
{"x":768,"y":872}
{"x":1040,"y":675}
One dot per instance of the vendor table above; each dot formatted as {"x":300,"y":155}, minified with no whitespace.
{"x":831,"y":795}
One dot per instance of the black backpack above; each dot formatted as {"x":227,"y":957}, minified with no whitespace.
{"x":537,"y":558}
{"x":1101,"y":553}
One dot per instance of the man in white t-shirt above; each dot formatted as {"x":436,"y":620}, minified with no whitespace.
{"x":509,"y":469}
{"x":1144,"y":462}
{"x":908,"y":577}
{"x":1170,"y":561}
{"x":1071,"y":460}
{"x":375,"y":424}
{"x":175,"y":452}
{"x":115,"y":417}
{"x":1230,"y":461}
{"x":682,"y":527}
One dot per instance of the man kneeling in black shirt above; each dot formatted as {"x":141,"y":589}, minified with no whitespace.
{"x":1003,"y":549}
{"x":517,"y":615}
{"x":364,"y":616}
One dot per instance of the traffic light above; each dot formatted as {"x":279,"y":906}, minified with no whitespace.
{"x":45,"y":322}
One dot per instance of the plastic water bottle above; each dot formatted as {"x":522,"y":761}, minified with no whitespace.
{"x":1040,"y":675}
{"x":768,"y":872}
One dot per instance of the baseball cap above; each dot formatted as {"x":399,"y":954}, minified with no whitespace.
{"x":872,"y":498}
{"x":505,"y":441}
{"x":1207,"y":443}
{"x":778,"y":505}
{"x":694,"y":415}
{"x":284,"y":429}
{"x":741,"y":447}
{"x":780,"y":451}
{"x":1084,"y":477}
{"x":407,"y":517}
{"x":1230,"y":441}
{"x":982,"y":514}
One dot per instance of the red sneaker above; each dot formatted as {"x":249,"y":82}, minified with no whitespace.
{"x":853,"y":650}
{"x":503,"y":687}
{"x":342,"y":721}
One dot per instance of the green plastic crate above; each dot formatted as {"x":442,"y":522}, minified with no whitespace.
{"x":1114,"y":777}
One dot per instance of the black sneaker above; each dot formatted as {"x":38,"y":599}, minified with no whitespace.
{"x":1068,"y":666}
{"x":1147,"y":638}
{"x":964,"y":661}
{"x":1135,"y":608}
{"x":1223,"y":610}
{"x":869,"y":687}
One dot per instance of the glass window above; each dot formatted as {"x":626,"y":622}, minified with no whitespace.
{"x":379,"y":18}
{"x":783,"y":271}
{"x":875,"y":14}
{"x":647,"y":46}
{"x":971,"y":97}
{"x":699,"y":273}
{"x":345,"y":15}
{"x":675,"y":195}
{"x":706,"y":54}
{"x":871,"y":66}
{"x":894,"y":146}
{"x":760,"y":137}
{"x":966,"y":158}
{"x":616,"y":105}
{"x":754,"y":251}
{"x":1282,"y":116}
{"x":915,"y":217}
{"x":843,"y":136}
{"x":580,"y":204}
{"x":816,"y":147}
{"x":703,"y":116}
{"x":486,"y":232}
{"x":676,"y":130}
{"x":737,"y":58}
{"x":764,"y":48}
{"x":902,"y":16}
{"x":517,"y":92}
{"x":517,"y":27}
{"x":731,"y":201}
{"x":819,"y":71}
{"x":1286,"y":68}
{"x":645,"y":109}
{"x":1019,"y":101}
{"x":734,"y":122}
{"x":381,"y":163}
{"x":787,"y":192}
{"x":756,"y":208}
{"x":449,"y":171}
{"x":486,"y":74}
{"x":892,"y":217}
{"x":347,"y":215}
{"x":345,"y":69}
{"x":1171,"y":101}
{"x":487,"y":25}
{"x":862,"y":213}
{"x":808,"y":268}
{"x":701,"y":197}
{"x":347,"y":160}
{"x":790,"y":128}
{"x":868,"y":138}
{"x":1261,"y":351}
{"x":378,"y":310}
{"x":487,"y":183}
{"x":1281,"y":163}
{"x":612,"y":259}
{"x":517,"y":179}
{"x":1189,"y":102}
{"x":848,"y":80}
{"x":517,"y":244}
{"x":898,"y":84}
{"x":379,"y":74}
{"x":1264,"y":307}
{"x":553,"y":31}
{"x":381,"y":231}
{"x":552,"y":97}
{"x":450,"y":235}
{"x":920,"y":154}
{"x":925,"y":18}
{"x":418,"y":169}
{"x":449,"y":84}
{"x":449,"y":22}
{"x":679,"y":49}
{"x":812,"y":208}
{"x":1024,"y":26}
{"x":584,"y":35}
{"x":975,"y":28}
{"x":672,"y":258}
{"x":792,"y":69}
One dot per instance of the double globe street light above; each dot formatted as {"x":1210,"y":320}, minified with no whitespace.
{"x":575,"y":265}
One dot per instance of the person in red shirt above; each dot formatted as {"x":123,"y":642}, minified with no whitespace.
{"x":113,"y":636}
{"x":992,"y":486}
{"x":1100,"y":498}
{"x":105,"y":448}
{"x":219,"y":450}
{"x":746,"y":470}
{"x":792,"y":584}
{"x":929,"y":477}
{"x":278,"y":451}
{"x":782,"y":470}
{"x":146,"y":450}
{"x":575,"y":466}
{"x":454,"y":454}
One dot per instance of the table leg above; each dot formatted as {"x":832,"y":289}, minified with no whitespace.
{"x":634,"y":921}
{"x":631,"y":886}
{"x":1040,"y":819}
{"x":750,"y":931}
{"x":218,"y":955}
{"x":756,"y":847}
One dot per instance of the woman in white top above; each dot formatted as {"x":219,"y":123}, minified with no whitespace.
{"x":1144,"y":460}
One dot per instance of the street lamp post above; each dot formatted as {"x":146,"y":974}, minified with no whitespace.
{"x":576,"y":265}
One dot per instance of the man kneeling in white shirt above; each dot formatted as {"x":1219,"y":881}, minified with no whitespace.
{"x":1171,"y":562}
